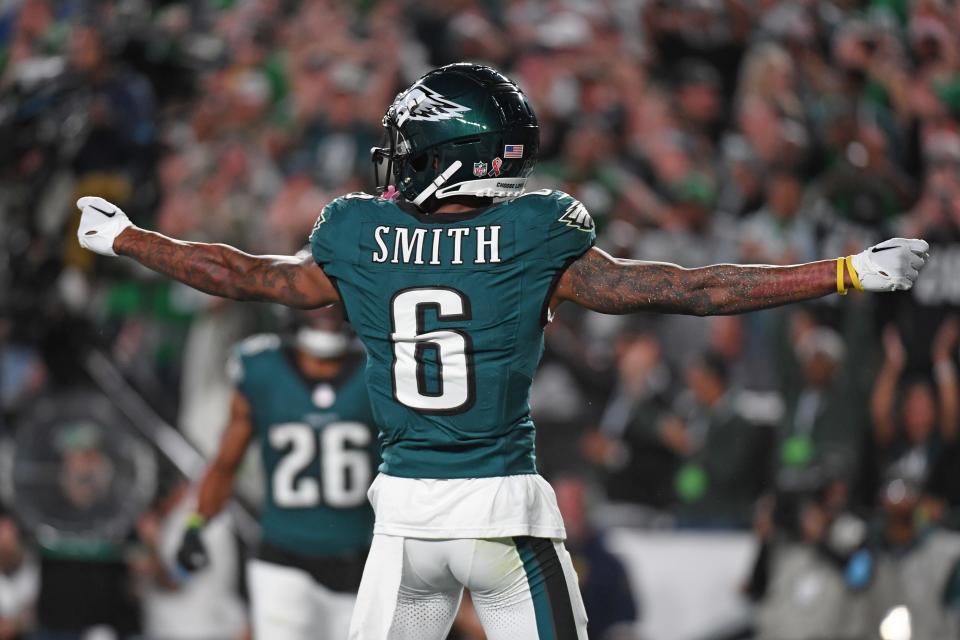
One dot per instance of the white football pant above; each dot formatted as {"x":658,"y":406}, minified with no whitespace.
{"x":288,"y":604}
{"x":522,"y":588}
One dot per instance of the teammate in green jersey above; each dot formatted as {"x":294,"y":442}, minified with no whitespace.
{"x":448,"y":276}
{"x":305,"y":403}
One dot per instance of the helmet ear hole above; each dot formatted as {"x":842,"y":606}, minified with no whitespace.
{"x":419,"y":163}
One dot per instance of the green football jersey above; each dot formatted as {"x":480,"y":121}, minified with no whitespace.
{"x":451,"y":309}
{"x":318,"y":447}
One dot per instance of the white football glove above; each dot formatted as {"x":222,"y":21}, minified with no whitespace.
{"x":892,"y":265}
{"x":100,"y":223}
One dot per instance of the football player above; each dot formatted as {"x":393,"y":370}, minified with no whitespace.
{"x":305,"y":402}
{"x":448,"y":276}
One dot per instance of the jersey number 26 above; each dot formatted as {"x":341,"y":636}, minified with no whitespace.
{"x":344,"y":465}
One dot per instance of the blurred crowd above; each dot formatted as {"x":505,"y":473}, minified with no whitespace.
{"x":694,"y":131}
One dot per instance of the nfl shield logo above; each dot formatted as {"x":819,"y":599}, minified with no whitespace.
{"x":479,"y":169}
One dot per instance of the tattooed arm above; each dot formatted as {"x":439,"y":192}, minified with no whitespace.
{"x":224,"y":271}
{"x":606,"y":284}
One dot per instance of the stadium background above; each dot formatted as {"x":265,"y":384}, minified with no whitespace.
{"x":790,"y":473}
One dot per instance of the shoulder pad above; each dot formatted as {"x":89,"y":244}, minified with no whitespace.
{"x":247,"y":351}
{"x":547,"y":196}
{"x":340,"y":203}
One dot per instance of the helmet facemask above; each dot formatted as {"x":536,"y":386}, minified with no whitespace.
{"x":400,"y":164}
{"x":387,"y":159}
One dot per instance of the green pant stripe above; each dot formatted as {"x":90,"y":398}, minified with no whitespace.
{"x":541,"y":599}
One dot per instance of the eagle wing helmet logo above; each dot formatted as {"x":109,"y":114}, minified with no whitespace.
{"x":423,"y":103}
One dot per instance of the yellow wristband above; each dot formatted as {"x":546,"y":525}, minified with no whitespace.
{"x":196,"y":521}
{"x":854,"y":276}
{"x":841,"y":285}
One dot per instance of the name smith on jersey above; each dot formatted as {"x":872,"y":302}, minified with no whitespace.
{"x":439,"y":246}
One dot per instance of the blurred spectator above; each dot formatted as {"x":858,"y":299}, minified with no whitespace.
{"x":741,"y":187}
{"x":915,"y":566}
{"x":719,"y":479}
{"x":743,"y":344}
{"x":22,"y":371}
{"x":801,"y":579}
{"x":936,"y":215}
{"x":910,"y":437}
{"x":863,"y":188}
{"x":780,"y":232}
{"x":772,"y":139}
{"x":821,"y":424}
{"x":699,"y":105}
{"x":32,"y":36}
{"x":714,"y":30}
{"x":293,"y":211}
{"x":121,"y":113}
{"x":19,"y":582}
{"x":636,"y":466}
{"x":337,"y":142}
{"x":768,"y":74}
{"x":589,"y":168}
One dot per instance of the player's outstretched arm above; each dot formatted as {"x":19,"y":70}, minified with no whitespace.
{"x":217,"y":484}
{"x":216,"y":487}
{"x":606,"y":284}
{"x":216,"y":269}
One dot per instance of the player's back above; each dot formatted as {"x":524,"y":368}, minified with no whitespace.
{"x":317,"y":446}
{"x":451,"y":308}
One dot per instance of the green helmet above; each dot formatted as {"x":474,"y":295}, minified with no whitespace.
{"x":461,"y":130}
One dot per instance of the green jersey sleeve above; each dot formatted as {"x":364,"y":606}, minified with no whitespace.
{"x":335,"y":231}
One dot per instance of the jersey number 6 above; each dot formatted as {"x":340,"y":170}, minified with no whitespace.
{"x":432,"y":370}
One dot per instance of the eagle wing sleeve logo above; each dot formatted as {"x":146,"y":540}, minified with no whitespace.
{"x":320,"y":220}
{"x":577,"y":217}
{"x":423,"y":103}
